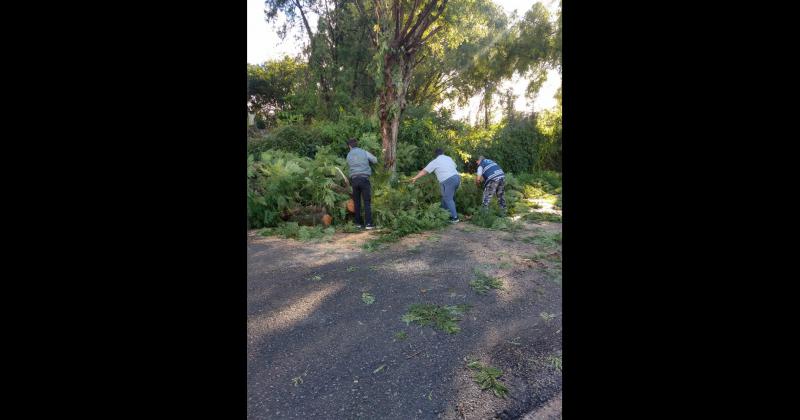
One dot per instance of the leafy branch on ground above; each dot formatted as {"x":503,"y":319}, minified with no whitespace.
{"x":292,"y":230}
{"x":444,"y":318}
{"x":555,"y":362}
{"x":483,"y":283}
{"x":367,"y":298}
{"x":493,"y":220}
{"x":486,"y":376}
{"x":545,"y":316}
{"x":540,"y":216}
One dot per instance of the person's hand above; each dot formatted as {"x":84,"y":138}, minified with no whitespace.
{"x":412,"y":180}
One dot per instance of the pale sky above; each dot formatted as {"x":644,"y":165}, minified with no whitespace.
{"x":263,"y":44}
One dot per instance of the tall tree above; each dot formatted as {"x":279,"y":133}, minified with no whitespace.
{"x":484,"y":61}
{"x":270,"y":85}
{"x":294,"y":11}
{"x":537,"y":46}
{"x":402,"y":28}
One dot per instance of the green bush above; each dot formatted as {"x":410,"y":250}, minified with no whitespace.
{"x":298,"y":165}
{"x":304,"y":139}
{"x":403,"y":208}
{"x":280,"y":182}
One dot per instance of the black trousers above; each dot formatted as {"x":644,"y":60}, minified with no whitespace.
{"x":362,"y":188}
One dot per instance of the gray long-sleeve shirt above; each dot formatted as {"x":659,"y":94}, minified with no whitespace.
{"x":358,"y":160}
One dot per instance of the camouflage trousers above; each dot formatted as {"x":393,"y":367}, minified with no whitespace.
{"x":495,"y":187}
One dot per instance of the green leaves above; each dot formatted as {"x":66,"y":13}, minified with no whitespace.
{"x":367,"y":298}
{"x":486,"y":377}
{"x":280,"y":182}
{"x":483,"y":283}
{"x":555,"y":362}
{"x":444,"y":318}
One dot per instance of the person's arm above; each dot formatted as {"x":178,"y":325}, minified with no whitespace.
{"x":479,"y":178}
{"x":371,"y":158}
{"x":426,"y":170}
{"x":419,"y":175}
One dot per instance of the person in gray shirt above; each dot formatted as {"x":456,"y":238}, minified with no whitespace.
{"x":449,"y":180}
{"x":358,"y":161}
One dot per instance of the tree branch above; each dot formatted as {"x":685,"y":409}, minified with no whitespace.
{"x":410,"y":18}
{"x":417,"y":32}
{"x":423,"y":15}
{"x":305,"y":21}
{"x":398,"y":15}
{"x":430,"y":34}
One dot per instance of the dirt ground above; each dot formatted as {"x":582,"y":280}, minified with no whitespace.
{"x":316,"y":350}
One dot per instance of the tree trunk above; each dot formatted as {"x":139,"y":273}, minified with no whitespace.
{"x":393,"y":148}
{"x":487,"y":104}
{"x":485,"y":115}
{"x":393,"y":103}
{"x":388,"y":141}
{"x":406,"y":41}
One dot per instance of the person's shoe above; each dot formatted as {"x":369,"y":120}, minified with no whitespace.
{"x":452,"y":220}
{"x":369,"y":227}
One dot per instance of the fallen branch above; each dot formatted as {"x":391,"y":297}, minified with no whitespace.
{"x":414,"y":354}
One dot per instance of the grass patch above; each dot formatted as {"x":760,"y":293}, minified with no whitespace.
{"x":381,"y":241}
{"x":400,"y":335}
{"x":551,"y":260}
{"x":315,"y":277}
{"x":487,"y":377}
{"x":483,"y":283}
{"x":545,"y":240}
{"x":367,"y":298}
{"x":540,"y":216}
{"x":351,"y":269}
{"x":550,"y":257}
{"x":444,"y":318}
{"x":348,"y":227}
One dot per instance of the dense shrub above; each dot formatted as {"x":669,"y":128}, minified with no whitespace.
{"x":299,"y":164}
{"x":303,"y":139}
{"x":281,"y":181}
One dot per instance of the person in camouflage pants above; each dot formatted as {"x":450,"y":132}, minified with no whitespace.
{"x":495,"y":182}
